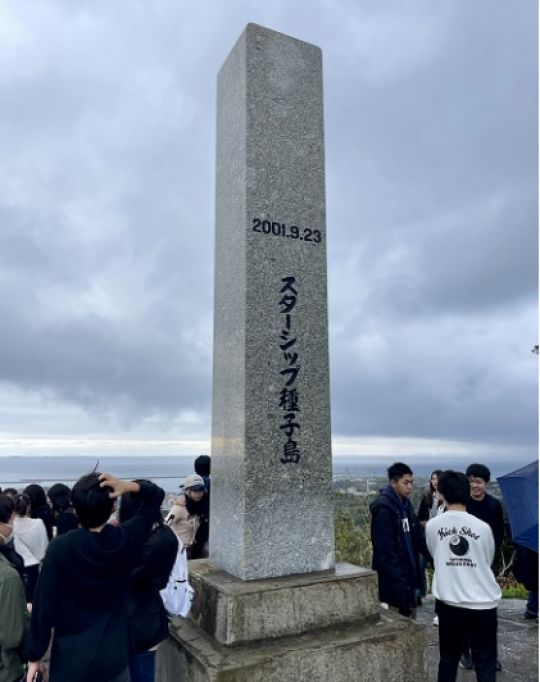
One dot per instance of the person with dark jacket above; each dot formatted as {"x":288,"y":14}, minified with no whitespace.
{"x":13,"y":613}
{"x":82,"y":591}
{"x":483,"y":505}
{"x":39,"y":509}
{"x":148,"y":620}
{"x":202,"y":466}
{"x":397,"y":540}
{"x":488,"y":509}
{"x":65,"y":518}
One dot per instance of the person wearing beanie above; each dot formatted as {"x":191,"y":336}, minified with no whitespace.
{"x":185,"y":515}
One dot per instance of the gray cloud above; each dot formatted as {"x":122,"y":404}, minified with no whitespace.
{"x":106,"y":211}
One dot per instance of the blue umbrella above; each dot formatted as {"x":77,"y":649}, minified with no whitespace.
{"x":520,"y":492}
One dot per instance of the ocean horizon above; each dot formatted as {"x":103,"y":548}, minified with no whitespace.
{"x":169,"y":472}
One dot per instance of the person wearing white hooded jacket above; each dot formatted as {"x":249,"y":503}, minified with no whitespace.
{"x":30,"y":542}
{"x":467,"y":594}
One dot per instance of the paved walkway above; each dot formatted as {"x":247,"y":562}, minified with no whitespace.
{"x":518,"y":643}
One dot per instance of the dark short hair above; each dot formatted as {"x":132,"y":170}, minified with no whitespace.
{"x":22,"y":504}
{"x":60,"y":497}
{"x":130,"y":502}
{"x":454,"y":487}
{"x":92,"y":503}
{"x":479,"y":471}
{"x":6,"y":508}
{"x":202,"y":465}
{"x":10,"y":492}
{"x":398,"y":470}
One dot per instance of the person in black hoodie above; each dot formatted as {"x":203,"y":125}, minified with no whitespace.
{"x":397,"y":540}
{"x":488,"y":509}
{"x":483,"y":505}
{"x":82,"y":591}
{"x":148,"y":621}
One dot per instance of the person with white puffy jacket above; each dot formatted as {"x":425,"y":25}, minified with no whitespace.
{"x":30,"y":537}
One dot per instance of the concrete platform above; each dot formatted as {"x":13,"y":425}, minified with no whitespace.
{"x":385,"y":649}
{"x":518,"y":643}
{"x":235,"y":611}
{"x":318,"y":626}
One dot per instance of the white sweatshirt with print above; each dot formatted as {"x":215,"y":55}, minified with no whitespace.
{"x":462,"y":548}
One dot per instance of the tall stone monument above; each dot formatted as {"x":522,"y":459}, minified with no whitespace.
{"x":270,"y":604}
{"x":271,"y":452}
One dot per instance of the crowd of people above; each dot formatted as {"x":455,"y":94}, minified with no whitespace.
{"x":80,"y":576}
{"x":458,"y":529}
{"x":90,"y":571}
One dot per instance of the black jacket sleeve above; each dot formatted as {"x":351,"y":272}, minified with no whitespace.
{"x":156,"y":561}
{"x":418,"y":535}
{"x":139,"y":526}
{"x":498,"y":524}
{"x":424,"y":509}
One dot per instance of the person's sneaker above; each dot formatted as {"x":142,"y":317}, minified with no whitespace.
{"x":465,"y":661}
{"x":498,"y":666}
{"x":530,"y":615}
{"x":435,"y":621}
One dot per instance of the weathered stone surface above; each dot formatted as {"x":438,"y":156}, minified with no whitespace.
{"x":388,"y":649}
{"x":234,"y":611}
{"x":271,"y":517}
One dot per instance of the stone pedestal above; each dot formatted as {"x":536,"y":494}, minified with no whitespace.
{"x":323,"y":627}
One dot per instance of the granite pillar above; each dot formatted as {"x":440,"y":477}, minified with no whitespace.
{"x":272,"y":511}
{"x":270,"y":604}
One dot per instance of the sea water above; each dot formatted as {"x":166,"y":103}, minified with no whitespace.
{"x":169,"y":472}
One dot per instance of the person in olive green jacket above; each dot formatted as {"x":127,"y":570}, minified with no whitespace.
{"x":13,"y":612}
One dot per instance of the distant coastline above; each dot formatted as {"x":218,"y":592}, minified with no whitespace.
{"x":169,"y":471}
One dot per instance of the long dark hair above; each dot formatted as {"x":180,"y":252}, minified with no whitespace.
{"x":129,"y":504}
{"x":37,"y":498}
{"x":430,"y":490}
{"x":197,"y":507}
{"x":6,"y":508}
{"x":60,"y":497}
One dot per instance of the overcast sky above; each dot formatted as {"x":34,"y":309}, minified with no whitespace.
{"x":107,"y":152}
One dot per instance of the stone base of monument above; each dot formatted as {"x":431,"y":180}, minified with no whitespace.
{"x":314,"y":627}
